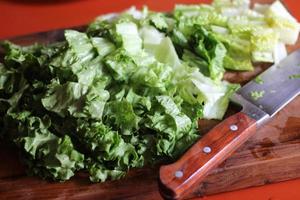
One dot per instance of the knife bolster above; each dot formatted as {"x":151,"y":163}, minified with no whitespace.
{"x":251,"y":110}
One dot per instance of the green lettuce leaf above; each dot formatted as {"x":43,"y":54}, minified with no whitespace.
{"x":131,"y":40}
{"x":195,"y":88}
{"x":46,"y":154}
{"x":75,"y":99}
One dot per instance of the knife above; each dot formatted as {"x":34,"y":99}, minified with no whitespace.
{"x":280,"y":84}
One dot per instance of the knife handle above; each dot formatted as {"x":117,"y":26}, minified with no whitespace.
{"x":176,"y":180}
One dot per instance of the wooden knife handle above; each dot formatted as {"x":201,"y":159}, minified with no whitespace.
{"x":177,"y":179}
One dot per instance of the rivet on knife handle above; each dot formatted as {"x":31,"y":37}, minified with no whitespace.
{"x":177,"y":179}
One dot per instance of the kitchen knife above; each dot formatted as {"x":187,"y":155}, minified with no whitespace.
{"x":260,"y":101}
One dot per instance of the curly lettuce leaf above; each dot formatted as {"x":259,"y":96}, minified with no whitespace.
{"x":46,"y":154}
{"x":75,"y":99}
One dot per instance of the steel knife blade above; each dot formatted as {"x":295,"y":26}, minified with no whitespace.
{"x":278,"y":85}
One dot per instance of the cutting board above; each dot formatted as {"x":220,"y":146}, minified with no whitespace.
{"x":272,"y":155}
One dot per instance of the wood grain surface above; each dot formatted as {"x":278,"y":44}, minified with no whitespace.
{"x":272,"y":155}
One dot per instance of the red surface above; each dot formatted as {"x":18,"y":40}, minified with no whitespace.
{"x":19,"y":17}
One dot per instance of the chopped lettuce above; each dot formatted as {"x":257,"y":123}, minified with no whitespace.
{"x":196,"y":88}
{"x":129,"y":90}
{"x":45,"y":153}
{"x":255,"y":95}
{"x":131,"y":40}
{"x":283,"y":22}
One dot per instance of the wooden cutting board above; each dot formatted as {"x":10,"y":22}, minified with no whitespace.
{"x":272,"y":155}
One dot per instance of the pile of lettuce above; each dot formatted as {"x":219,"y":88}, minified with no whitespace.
{"x":128,"y":92}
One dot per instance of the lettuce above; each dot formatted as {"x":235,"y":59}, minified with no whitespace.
{"x":281,"y":20}
{"x":45,"y":153}
{"x":131,"y":40}
{"x":128,"y":91}
{"x":197,"y":89}
{"x":75,"y":99}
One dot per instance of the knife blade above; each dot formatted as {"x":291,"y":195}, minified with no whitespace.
{"x":260,"y":101}
{"x":279,"y":85}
